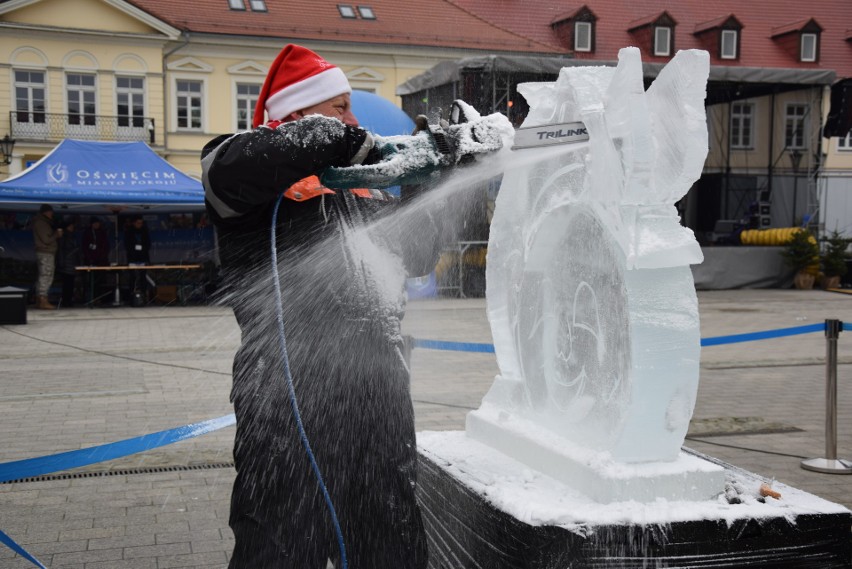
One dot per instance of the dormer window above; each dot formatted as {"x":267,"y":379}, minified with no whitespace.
{"x":728,"y":44}
{"x":346,"y":11}
{"x":808,"y":51}
{"x":576,"y":30}
{"x":721,"y":35}
{"x":655,"y":33}
{"x":582,"y":36}
{"x":662,"y":40}
{"x":799,"y":39}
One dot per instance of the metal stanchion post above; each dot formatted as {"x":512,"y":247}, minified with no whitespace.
{"x":830,"y":464}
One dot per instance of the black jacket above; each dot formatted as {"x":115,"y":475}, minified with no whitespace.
{"x":243,"y":175}
{"x":342,"y":262}
{"x":68,"y":256}
{"x":137,"y":244}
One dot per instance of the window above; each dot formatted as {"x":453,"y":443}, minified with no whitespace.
{"x":582,"y":36}
{"x":346,"y":11}
{"x":258,"y":5}
{"x":742,"y":125}
{"x":80,"y":88}
{"x":236,"y":4}
{"x":188,"y":104}
{"x":29,"y":97}
{"x":130,"y":101}
{"x":845,"y":142}
{"x":795,"y":125}
{"x":366,"y":12}
{"x":728,"y":47}
{"x":809,"y":48}
{"x":247,"y":95}
{"x":662,"y":40}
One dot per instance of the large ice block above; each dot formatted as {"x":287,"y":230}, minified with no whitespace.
{"x":590,"y":296}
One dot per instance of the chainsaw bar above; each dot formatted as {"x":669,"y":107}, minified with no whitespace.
{"x":549,"y":135}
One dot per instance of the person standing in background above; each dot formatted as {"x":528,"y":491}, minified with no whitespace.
{"x":67,"y":260}
{"x":137,"y":245}
{"x":45,"y":237}
{"x":95,"y":244}
{"x":95,"y":250}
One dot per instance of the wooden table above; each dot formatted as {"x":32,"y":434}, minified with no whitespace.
{"x":117,"y":269}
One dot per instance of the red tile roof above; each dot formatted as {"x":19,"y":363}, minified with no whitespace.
{"x":791,"y":27}
{"x":532,"y":18}
{"x":524,"y":26}
{"x":432,"y":23}
{"x":649,"y":19}
{"x":712,"y":24}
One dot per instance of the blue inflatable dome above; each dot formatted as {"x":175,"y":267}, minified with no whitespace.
{"x":380,"y":116}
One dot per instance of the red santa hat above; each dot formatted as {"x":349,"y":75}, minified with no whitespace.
{"x":297,"y":79}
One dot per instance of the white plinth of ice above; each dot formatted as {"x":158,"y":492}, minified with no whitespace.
{"x":541,"y":500}
{"x":594,"y":473}
{"x":590,"y":296}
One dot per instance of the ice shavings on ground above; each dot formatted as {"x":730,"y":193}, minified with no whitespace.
{"x":540,"y":500}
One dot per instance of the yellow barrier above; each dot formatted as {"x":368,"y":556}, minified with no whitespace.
{"x":769,"y":237}
{"x":777,"y":237}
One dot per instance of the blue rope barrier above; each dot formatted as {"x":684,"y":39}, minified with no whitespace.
{"x":714,"y":341}
{"x":10,"y":543}
{"x":454,"y":346}
{"x":764,"y":335}
{"x":31,"y":467}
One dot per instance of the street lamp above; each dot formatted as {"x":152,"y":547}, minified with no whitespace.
{"x":795,"y":160}
{"x":149,"y":124}
{"x":6,"y":146}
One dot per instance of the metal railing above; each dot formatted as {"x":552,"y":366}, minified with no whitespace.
{"x":54,"y":127}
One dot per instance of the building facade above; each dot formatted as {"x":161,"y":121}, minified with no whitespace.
{"x":176,"y":74}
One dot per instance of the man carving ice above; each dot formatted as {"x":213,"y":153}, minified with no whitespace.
{"x":342,"y":292}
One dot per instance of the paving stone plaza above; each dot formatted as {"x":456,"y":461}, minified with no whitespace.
{"x":77,"y":378}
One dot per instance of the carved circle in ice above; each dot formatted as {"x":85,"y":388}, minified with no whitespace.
{"x":590,"y":297}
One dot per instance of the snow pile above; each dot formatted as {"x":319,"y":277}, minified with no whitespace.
{"x":540,"y":500}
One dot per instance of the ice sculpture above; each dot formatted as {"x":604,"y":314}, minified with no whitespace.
{"x":590,"y":296}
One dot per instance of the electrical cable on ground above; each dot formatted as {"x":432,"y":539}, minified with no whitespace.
{"x":202,"y":370}
{"x":100,"y":353}
{"x":744,"y":448}
{"x":279,"y":313}
{"x":423,"y":401}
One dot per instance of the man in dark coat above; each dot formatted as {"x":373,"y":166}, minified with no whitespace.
{"x":95,"y":244}
{"x":95,"y":250}
{"x":137,"y":242}
{"x":46,"y":243}
{"x":67,"y":259}
{"x":137,"y":245}
{"x":342,"y":262}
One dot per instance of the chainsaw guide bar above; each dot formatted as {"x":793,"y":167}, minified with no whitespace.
{"x":549,"y":135}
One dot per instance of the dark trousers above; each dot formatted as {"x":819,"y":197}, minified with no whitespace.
{"x":138,"y":287}
{"x":68,"y":289}
{"x":102,"y":285}
{"x":362,"y":435}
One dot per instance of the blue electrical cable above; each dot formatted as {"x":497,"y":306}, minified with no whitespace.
{"x":279,"y":312}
